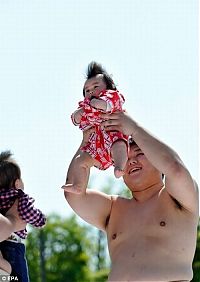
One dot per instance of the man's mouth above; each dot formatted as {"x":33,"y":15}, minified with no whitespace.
{"x":134,"y":170}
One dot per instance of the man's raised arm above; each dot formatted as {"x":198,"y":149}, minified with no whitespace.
{"x":92,"y":206}
{"x":179,"y":182}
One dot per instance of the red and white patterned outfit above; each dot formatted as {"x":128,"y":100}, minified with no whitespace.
{"x":100,"y":141}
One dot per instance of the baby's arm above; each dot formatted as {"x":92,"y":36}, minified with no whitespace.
{"x":100,"y":104}
{"x":76,"y":116}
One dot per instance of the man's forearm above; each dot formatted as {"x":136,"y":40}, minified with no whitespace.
{"x":71,"y":166}
{"x":69,"y":178}
{"x":159,"y":154}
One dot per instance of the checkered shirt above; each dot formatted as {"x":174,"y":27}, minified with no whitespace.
{"x":26,"y":209}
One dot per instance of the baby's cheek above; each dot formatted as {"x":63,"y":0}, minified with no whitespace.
{"x":98,"y":91}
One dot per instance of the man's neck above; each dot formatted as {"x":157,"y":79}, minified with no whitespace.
{"x":142,"y":195}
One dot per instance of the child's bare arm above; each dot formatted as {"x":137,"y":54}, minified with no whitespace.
{"x":76,"y":116}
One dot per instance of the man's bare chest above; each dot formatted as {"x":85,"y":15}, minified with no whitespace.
{"x":155,"y":219}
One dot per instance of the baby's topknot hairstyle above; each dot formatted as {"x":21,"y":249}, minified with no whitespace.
{"x":94,"y":69}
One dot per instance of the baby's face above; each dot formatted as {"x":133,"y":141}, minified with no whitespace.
{"x":19,"y":184}
{"x":93,"y":86}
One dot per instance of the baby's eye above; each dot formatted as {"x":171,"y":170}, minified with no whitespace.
{"x":96,"y":86}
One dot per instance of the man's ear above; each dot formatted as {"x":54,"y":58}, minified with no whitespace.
{"x":17,"y":184}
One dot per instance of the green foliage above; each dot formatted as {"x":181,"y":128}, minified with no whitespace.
{"x":100,"y":276}
{"x":67,"y":251}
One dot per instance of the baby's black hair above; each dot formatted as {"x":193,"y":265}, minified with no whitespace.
{"x":9,"y":170}
{"x":94,"y":69}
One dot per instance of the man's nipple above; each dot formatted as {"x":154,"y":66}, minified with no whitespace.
{"x":114,"y":236}
{"x":162,"y":223}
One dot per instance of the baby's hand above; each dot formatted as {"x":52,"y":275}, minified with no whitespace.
{"x":98,"y":104}
{"x":77,"y":115}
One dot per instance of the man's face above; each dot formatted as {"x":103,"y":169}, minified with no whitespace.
{"x":139,"y":172}
{"x":93,"y":86}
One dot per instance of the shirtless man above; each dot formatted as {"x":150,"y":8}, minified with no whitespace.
{"x":152,"y":236}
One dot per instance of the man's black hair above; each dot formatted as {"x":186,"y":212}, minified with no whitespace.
{"x":94,"y":69}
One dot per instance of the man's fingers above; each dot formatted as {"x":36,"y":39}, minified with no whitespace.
{"x":112,"y":128}
{"x":110,"y":122}
{"x":110,"y":116}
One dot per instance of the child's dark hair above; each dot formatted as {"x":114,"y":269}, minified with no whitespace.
{"x":94,"y":69}
{"x":9,"y":171}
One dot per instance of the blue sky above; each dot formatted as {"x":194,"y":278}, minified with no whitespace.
{"x":149,"y":46}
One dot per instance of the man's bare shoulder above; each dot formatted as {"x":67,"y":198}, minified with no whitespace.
{"x":120,"y":199}
{"x":118,"y":203}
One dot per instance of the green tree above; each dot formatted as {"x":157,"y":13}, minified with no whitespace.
{"x":67,"y":251}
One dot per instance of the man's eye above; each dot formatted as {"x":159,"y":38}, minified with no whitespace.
{"x":140,"y":154}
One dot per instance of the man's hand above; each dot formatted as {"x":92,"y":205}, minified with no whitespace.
{"x":119,"y":121}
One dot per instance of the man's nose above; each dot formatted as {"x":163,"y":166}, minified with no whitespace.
{"x":132,"y":161}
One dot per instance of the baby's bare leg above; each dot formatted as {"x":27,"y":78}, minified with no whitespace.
{"x":81,"y":170}
{"x":120,"y":157}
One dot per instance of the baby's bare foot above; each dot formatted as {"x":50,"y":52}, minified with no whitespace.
{"x":72,"y":188}
{"x":118,"y":172}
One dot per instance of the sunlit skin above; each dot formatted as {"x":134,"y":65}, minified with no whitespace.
{"x":152,"y":236}
{"x":92,"y":89}
{"x":140,"y":176}
{"x":139,"y":228}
